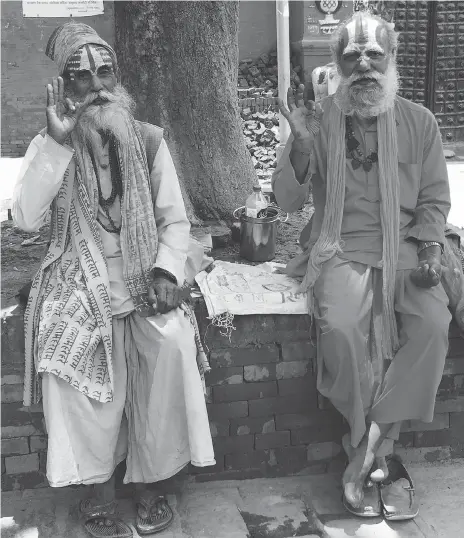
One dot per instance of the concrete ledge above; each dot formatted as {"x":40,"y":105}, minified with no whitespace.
{"x":266,"y":417}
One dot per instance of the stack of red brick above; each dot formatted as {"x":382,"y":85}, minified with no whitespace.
{"x":258,"y":82}
{"x":257,"y":92}
{"x":261,"y":133}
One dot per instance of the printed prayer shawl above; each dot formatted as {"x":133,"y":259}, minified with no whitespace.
{"x":68,"y":319}
{"x":329,"y":244}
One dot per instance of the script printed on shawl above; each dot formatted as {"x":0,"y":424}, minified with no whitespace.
{"x":61,"y":8}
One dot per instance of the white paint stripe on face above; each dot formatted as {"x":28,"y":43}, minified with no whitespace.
{"x":91,"y":59}
{"x":362,"y":32}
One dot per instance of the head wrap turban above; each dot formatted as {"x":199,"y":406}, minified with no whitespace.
{"x":68,"y":38}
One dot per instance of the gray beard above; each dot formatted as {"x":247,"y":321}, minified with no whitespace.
{"x":112,"y":117}
{"x":368,"y":102}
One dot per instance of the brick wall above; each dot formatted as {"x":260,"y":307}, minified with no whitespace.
{"x":26,"y":71}
{"x":265,"y":414}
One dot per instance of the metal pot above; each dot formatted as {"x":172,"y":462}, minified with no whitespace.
{"x":258,"y":236}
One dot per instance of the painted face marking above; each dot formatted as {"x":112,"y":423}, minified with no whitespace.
{"x":89,"y":58}
{"x":363,"y":33}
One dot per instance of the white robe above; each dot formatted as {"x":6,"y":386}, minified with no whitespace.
{"x":158,"y":419}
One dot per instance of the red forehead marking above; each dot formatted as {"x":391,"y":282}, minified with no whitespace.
{"x":360,"y":32}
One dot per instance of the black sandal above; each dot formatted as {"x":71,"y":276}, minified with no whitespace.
{"x":371,"y":505}
{"x":100,"y":520}
{"x":399,"y":501}
{"x":153,"y":514}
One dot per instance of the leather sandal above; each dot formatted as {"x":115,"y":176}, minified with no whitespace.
{"x":100,"y":521}
{"x":397,"y":492}
{"x":370,"y":506}
{"x":153,"y":514}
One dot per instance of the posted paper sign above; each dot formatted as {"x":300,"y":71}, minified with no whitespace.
{"x":62,"y":8}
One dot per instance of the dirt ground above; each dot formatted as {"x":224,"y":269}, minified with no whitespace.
{"x":20,"y":261}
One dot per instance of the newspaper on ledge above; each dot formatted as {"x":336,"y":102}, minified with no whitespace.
{"x":244,"y":289}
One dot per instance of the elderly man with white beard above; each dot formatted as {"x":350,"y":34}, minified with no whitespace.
{"x":372,"y":256}
{"x":106,"y":332}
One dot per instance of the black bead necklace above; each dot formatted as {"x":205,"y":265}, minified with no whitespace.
{"x":353,"y":150}
{"x":116,"y":186}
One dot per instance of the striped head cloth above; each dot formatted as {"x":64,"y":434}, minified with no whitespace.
{"x":68,"y":38}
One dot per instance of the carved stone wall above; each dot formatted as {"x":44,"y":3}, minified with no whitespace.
{"x":448,"y":85}
{"x":431,"y":58}
{"x":414,"y":49}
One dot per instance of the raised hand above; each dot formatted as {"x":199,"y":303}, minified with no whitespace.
{"x":62,"y":114}
{"x":303,"y":116}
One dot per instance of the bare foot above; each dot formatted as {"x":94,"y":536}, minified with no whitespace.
{"x":379,"y":471}
{"x":356,"y":473}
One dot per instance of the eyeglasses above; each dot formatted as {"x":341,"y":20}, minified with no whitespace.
{"x":369,"y":56}
{"x":85,"y":77}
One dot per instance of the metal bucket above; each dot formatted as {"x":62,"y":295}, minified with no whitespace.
{"x":258,"y":236}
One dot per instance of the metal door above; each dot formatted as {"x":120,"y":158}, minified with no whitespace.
{"x":431,"y":58}
{"x":447,"y":59}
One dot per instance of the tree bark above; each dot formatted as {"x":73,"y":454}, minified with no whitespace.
{"x":179,"y":61}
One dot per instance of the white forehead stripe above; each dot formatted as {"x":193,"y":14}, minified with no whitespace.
{"x":362,"y":31}
{"x":89,"y":58}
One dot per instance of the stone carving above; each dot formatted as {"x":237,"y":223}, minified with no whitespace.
{"x":328,"y":25}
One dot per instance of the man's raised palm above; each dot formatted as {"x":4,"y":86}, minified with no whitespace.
{"x":303,"y":116}
{"x":62,"y":114}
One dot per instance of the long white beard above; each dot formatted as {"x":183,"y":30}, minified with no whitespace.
{"x":112,"y":116}
{"x":368,"y":102}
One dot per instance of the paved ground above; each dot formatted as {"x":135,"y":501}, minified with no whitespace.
{"x":304,"y":506}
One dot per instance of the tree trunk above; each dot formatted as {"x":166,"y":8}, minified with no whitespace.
{"x":179,"y":61}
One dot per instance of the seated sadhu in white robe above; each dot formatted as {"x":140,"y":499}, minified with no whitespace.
{"x":348,"y":292}
{"x":155,"y":415}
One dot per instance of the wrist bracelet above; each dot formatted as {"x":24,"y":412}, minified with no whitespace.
{"x":158,"y":272}
{"x":427,"y":244}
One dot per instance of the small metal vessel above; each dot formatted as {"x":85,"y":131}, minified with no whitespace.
{"x":258,"y":235}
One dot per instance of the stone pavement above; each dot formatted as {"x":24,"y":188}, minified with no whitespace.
{"x":304,"y":506}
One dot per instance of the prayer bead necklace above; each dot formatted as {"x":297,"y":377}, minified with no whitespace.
{"x":116,"y":186}
{"x":353,"y":150}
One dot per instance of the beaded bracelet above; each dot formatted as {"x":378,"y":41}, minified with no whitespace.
{"x":427,"y":244}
